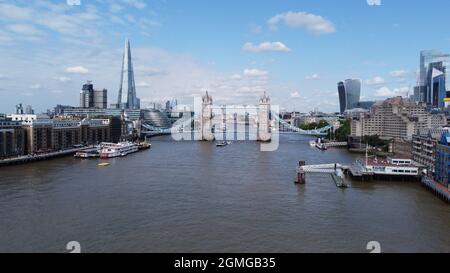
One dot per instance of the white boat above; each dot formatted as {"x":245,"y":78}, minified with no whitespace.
{"x":221,"y":144}
{"x":88,"y":152}
{"x":120,"y":149}
{"x":312,"y":143}
{"x":391,"y":166}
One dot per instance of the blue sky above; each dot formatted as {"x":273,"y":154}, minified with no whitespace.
{"x":296,"y":50}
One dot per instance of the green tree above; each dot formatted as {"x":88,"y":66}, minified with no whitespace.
{"x":344,"y":131}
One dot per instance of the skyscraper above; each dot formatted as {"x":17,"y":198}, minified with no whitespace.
{"x":90,"y":98}
{"x":349,"y":92}
{"x":127,"y":91}
{"x":87,"y":95}
{"x":434,"y":78}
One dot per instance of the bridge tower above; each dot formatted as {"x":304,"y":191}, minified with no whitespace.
{"x":206,"y":118}
{"x":264,"y":132}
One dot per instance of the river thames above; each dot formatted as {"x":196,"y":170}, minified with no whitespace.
{"x":196,"y":197}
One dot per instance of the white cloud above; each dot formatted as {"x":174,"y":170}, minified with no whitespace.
{"x":236,"y":77}
{"x":374,"y":2}
{"x":399,"y":73}
{"x":143,"y":84}
{"x":136,"y":3}
{"x":14,"y":12}
{"x":265,"y":47}
{"x":255,"y":73}
{"x":295,"y":95}
{"x":35,"y":86}
{"x":387,"y":92}
{"x":77,"y":70}
{"x":311,"y":22}
{"x":114,"y":8}
{"x":62,"y":79}
{"x":24,"y":29}
{"x":376,"y":81}
{"x":313,"y":77}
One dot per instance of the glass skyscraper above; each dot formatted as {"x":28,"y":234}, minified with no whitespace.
{"x":127,"y":92}
{"x":349,"y":92}
{"x":434,"y":78}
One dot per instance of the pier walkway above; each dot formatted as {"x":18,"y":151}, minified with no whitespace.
{"x":335,"y":144}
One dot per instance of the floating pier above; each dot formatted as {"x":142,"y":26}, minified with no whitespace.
{"x":335,"y":170}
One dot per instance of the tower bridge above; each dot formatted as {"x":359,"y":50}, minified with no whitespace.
{"x":259,"y":122}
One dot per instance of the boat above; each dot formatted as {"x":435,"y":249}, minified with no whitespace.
{"x":103,"y":164}
{"x":88,"y":153}
{"x":221,"y":144}
{"x":389,"y":167}
{"x":110,"y":150}
{"x":144,"y":146}
{"x":321,"y":146}
{"x":312,"y":143}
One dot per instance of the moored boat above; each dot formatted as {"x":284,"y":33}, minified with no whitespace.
{"x":221,"y":144}
{"x":110,"y":150}
{"x":144,"y":145}
{"x":88,"y":153}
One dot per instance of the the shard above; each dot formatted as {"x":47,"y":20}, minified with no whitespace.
{"x":127,"y":92}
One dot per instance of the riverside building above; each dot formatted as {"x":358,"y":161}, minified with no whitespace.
{"x":396,"y":118}
{"x":424,"y":145}
{"x":12,"y":139}
{"x":43,"y":134}
{"x":443,"y":160}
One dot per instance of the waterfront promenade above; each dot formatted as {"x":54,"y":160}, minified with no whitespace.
{"x":39,"y":157}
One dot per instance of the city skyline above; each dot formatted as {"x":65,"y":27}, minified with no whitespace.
{"x":296,"y":52}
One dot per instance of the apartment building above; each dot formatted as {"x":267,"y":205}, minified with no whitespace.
{"x":396,"y":118}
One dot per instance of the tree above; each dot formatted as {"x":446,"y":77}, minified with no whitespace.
{"x":314,"y":125}
{"x":344,"y":131}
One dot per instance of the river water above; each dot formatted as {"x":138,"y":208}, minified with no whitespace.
{"x":196,"y":197}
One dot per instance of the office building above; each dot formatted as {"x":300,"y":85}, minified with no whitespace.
{"x":90,"y":98}
{"x":101,"y":98}
{"x":19,"y":109}
{"x":396,"y":118}
{"x":87,"y":95}
{"x":349,"y":92}
{"x":442,"y":168}
{"x":127,"y":98}
{"x":434,"y":78}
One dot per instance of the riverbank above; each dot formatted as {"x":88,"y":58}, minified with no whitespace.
{"x":40,"y":157}
{"x":438,"y":189}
